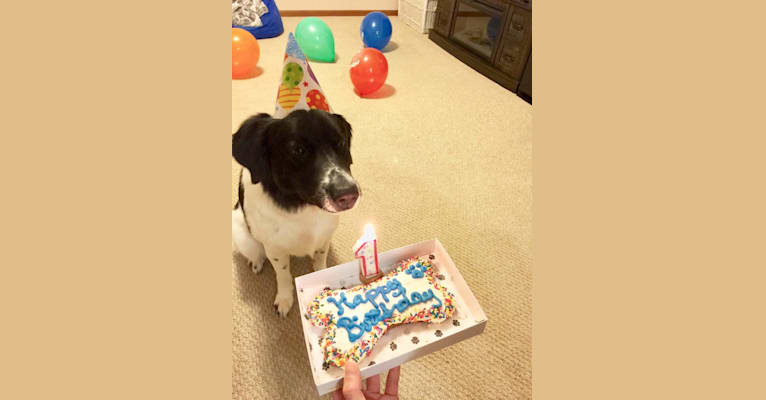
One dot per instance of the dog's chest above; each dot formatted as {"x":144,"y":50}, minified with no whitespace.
{"x":299,"y":233}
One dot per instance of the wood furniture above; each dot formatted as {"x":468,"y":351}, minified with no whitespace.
{"x":493,"y":37}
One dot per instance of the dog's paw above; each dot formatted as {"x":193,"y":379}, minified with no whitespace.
{"x":319,"y":260}
{"x":283,"y":303}
{"x":255,"y":266}
{"x":319,"y":267}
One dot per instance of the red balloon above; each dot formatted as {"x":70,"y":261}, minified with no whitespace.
{"x":369,"y":70}
{"x":245,"y":53}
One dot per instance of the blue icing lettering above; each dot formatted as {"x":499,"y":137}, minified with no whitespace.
{"x":402,"y":304}
{"x":370,"y":295}
{"x":388,"y":287}
{"x":346,"y":323}
{"x":366,"y":326}
{"x":373,"y":313}
{"x":370,"y":319}
{"x":416,"y":298}
{"x":385,"y":313}
{"x":380,"y":312}
{"x":398,"y":285}
{"x":435,"y":298}
{"x":337,"y":304}
{"x":383,"y":290}
{"x":345,"y":301}
{"x":358,"y":300}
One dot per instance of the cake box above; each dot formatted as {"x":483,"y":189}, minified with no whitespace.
{"x":401,"y":343}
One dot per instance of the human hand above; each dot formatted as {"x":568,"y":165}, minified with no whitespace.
{"x":352,"y":385}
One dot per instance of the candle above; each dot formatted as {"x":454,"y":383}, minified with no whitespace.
{"x":366,"y":250}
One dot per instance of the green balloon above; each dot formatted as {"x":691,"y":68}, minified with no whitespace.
{"x":315,"y":39}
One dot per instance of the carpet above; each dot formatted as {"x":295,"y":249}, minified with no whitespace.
{"x":442,"y":153}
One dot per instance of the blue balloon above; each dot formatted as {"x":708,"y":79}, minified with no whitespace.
{"x":493,"y":28}
{"x":376,"y":30}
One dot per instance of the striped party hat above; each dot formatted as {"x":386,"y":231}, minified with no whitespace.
{"x":298,"y":89}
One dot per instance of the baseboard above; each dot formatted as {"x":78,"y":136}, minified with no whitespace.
{"x":333,"y":13}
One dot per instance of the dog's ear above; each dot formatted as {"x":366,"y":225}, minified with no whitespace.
{"x":248,"y":145}
{"x":345,"y":126}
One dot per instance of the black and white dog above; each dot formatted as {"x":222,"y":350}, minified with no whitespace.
{"x":296,"y":179}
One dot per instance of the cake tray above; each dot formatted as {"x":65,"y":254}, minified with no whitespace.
{"x":401,"y":343}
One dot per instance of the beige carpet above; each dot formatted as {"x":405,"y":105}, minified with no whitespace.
{"x":447,"y":155}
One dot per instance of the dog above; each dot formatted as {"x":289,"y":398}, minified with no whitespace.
{"x":296,"y":179}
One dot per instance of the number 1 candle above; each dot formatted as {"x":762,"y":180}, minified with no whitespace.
{"x":366,"y":250}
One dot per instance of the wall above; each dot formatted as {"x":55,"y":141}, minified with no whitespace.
{"x":337,"y":4}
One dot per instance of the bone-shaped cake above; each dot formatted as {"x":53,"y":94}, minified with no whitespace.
{"x":355,"y":318}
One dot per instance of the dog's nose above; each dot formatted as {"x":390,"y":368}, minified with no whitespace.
{"x":346,"y":201}
{"x":343,"y":191}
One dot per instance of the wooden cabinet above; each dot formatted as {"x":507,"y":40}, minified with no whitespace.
{"x":492,"y":36}
{"x":516,"y":43}
{"x":443,"y":20}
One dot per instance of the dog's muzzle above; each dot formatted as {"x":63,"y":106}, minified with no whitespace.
{"x":342,"y":191}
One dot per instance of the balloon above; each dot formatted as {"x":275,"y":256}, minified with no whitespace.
{"x":493,"y":28}
{"x":245,"y":53}
{"x":376,"y":30}
{"x":315,"y":39}
{"x":369,"y":70}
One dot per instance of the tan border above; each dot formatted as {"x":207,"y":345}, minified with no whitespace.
{"x":649,"y":216}
{"x":650,"y":256}
{"x":116,"y":246}
{"x":328,"y":13}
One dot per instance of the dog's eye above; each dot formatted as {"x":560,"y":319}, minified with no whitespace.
{"x":299,"y":150}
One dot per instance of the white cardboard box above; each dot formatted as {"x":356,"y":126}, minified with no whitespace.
{"x":468,"y":314}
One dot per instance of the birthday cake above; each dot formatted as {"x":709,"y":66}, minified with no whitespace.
{"x":356,"y":318}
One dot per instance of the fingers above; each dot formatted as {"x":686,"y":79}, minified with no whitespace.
{"x":337,"y":395}
{"x":352,"y":382}
{"x":373,"y":384}
{"x":392,"y":382}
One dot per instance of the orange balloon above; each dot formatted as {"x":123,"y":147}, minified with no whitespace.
{"x":245,"y":53}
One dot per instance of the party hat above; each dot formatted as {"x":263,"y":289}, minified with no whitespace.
{"x":298,"y":89}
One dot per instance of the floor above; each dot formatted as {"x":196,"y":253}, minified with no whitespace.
{"x":443,"y":152}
